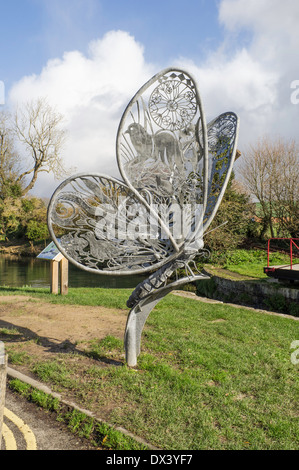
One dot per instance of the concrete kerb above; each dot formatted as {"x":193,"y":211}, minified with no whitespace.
{"x":3,"y":374}
{"x":14,"y":374}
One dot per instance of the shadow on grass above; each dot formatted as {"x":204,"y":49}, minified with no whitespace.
{"x":21,"y":290}
{"x":25,"y":334}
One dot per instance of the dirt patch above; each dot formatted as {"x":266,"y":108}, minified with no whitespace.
{"x":53,"y":328}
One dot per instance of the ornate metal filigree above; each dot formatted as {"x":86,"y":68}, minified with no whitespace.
{"x":174,"y":170}
{"x":172,"y":104}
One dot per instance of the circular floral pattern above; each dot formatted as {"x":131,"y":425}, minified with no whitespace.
{"x":172,"y":105}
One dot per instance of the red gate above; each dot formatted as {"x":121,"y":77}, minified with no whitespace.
{"x":287,"y":272}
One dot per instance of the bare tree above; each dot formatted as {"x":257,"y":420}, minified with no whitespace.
{"x":37,"y":127}
{"x":270,"y":172}
{"x":286,"y":193}
{"x":9,"y":159}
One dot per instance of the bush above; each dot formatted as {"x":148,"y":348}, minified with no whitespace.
{"x":237,"y":211}
{"x":23,"y":217}
{"x":36,"y":231}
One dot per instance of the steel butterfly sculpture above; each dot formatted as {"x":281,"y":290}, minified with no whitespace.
{"x":175,"y":170}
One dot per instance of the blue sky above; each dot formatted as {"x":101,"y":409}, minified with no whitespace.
{"x":88,"y":58}
{"x":34,"y":31}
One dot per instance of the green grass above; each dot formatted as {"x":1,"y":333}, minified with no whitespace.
{"x":100,"y":434}
{"x":252,"y":262}
{"x":209,"y":376}
{"x":112,"y":298}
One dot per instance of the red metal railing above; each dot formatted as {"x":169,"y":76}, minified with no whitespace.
{"x":292,"y":242}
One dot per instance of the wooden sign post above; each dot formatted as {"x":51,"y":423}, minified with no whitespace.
{"x":59,"y":266}
{"x":64,"y":276}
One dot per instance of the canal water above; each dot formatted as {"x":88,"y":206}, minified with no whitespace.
{"x":23,"y":271}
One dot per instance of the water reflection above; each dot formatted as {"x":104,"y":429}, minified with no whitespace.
{"x":22,"y":271}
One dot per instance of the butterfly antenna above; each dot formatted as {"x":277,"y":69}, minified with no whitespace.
{"x":221,"y":225}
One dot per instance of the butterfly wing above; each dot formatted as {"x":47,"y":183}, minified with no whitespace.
{"x":175,"y":171}
{"x":162,"y":148}
{"x":99,"y":225}
{"x":222,"y":146}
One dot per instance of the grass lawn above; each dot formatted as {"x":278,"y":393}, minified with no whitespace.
{"x":210,"y":376}
{"x":252,"y":262}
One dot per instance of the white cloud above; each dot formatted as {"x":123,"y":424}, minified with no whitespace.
{"x":91,"y":92}
{"x":241,"y":85}
{"x":273,"y":25}
{"x":258,"y":15}
{"x":252,"y":78}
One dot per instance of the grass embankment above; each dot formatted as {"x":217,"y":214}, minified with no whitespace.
{"x":250,"y":263}
{"x":210,"y":376}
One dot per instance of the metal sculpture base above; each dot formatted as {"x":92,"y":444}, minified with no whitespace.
{"x":139,"y":314}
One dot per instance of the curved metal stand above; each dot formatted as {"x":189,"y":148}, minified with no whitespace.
{"x":139,"y":314}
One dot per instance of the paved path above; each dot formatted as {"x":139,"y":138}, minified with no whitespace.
{"x":27,"y":427}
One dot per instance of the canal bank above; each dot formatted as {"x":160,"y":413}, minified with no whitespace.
{"x":265,"y":294}
{"x":18,"y":270}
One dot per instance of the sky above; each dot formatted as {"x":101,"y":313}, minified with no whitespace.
{"x":89,"y":57}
